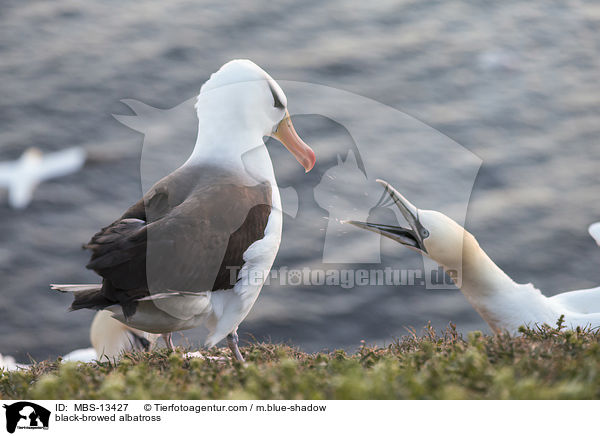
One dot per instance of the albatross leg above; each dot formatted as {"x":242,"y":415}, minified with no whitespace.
{"x":168,"y":338}
{"x":232,"y":341}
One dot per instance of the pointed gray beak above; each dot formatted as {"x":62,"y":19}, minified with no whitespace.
{"x":413,"y":237}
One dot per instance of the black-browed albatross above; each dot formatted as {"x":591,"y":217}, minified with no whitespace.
{"x":196,"y":249}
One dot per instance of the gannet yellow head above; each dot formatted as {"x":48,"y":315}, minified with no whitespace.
{"x":431,"y":232}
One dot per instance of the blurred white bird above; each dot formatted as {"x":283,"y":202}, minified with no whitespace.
{"x":110,"y":338}
{"x":502,"y":303}
{"x":80,"y":355}
{"x":20,"y":177}
{"x":595,"y":232}
{"x":8,"y":363}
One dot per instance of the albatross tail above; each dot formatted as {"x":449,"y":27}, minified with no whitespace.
{"x":76,"y":288}
{"x":84,"y":296}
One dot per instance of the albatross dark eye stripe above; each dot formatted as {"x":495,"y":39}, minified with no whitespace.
{"x":276,"y":99}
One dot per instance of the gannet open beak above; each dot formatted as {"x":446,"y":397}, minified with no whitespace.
{"x":286,"y":134}
{"x":413,"y":237}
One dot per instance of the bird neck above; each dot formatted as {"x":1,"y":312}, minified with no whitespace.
{"x":502,"y":303}
{"x":226,"y":137}
{"x":478,"y":276}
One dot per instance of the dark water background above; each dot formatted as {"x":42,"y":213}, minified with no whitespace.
{"x":515,"y":83}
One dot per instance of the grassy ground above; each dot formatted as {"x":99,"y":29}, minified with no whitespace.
{"x":540,"y":363}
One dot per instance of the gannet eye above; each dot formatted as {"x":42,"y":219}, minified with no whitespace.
{"x":424,"y":233}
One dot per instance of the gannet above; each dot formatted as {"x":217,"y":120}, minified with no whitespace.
{"x":111,"y":338}
{"x":23,"y":175}
{"x":502,"y":303}
{"x":197,"y":248}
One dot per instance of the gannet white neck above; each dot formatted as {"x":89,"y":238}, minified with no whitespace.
{"x":473,"y":271}
{"x":500,"y":301}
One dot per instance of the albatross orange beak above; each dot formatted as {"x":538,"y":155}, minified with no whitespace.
{"x":286,"y":134}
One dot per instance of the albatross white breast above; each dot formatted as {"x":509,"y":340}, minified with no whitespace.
{"x":502,"y":303}
{"x":197,"y":248}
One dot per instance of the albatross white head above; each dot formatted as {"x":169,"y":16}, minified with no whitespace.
{"x":237,"y":107}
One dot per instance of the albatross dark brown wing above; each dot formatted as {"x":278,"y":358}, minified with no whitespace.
{"x":186,"y":234}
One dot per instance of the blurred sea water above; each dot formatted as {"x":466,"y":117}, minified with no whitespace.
{"x":512,"y":84}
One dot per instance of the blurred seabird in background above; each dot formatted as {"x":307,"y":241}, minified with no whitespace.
{"x":8,"y":363}
{"x":20,"y":177}
{"x":110,"y":339}
{"x":595,"y":232}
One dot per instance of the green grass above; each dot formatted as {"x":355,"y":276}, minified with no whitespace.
{"x":541,"y":363}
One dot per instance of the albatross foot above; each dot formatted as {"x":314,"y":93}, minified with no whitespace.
{"x":232,"y":341}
